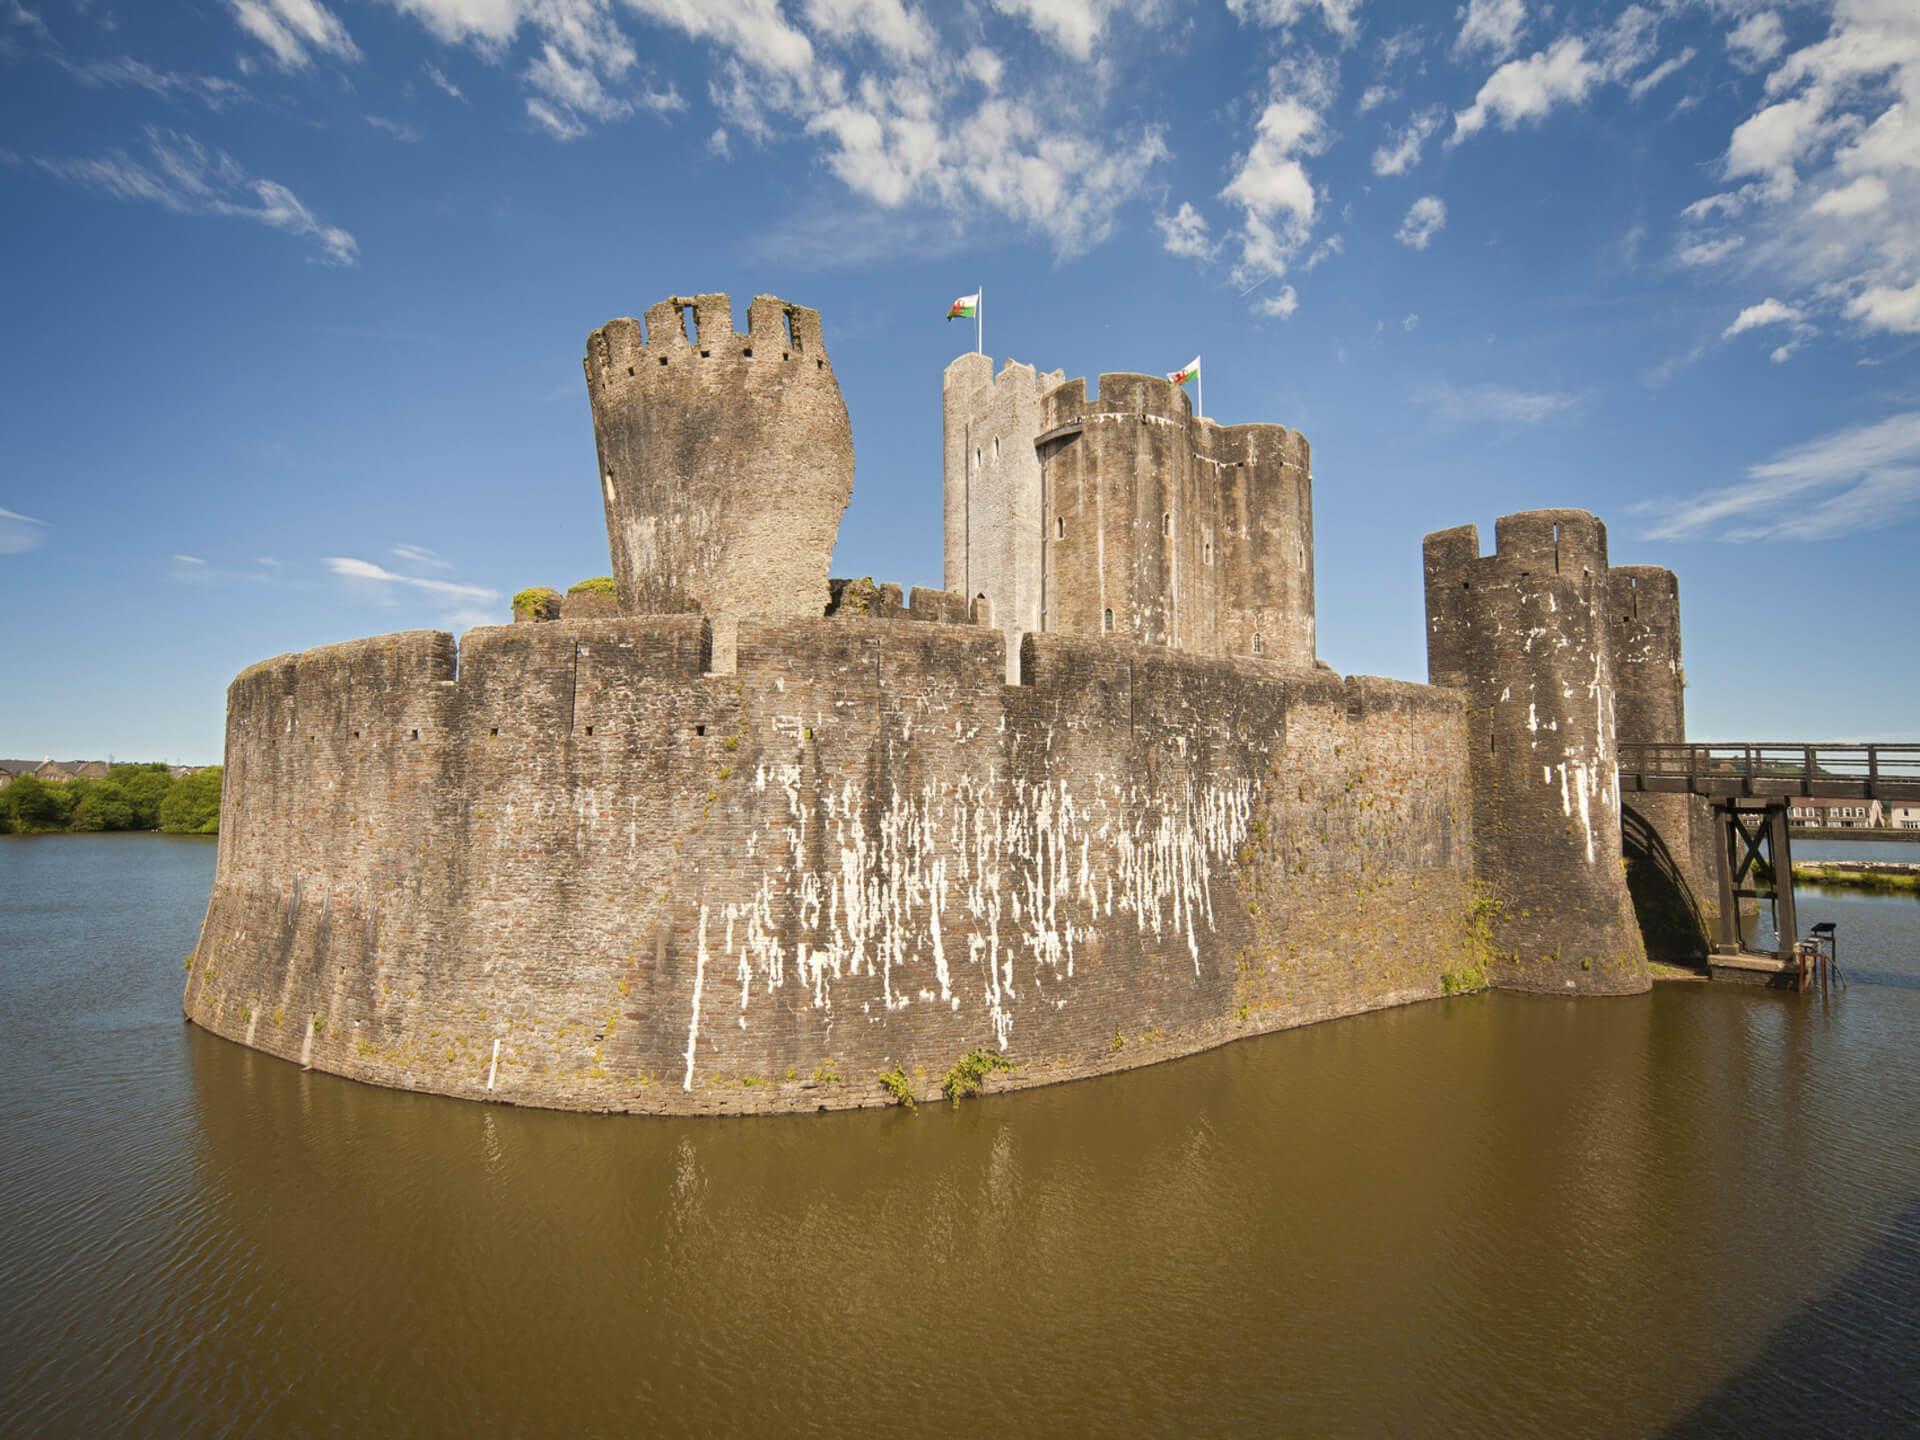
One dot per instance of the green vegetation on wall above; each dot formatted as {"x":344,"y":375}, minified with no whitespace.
{"x":598,"y":585}
{"x":537,"y":602}
{"x":130,"y":797}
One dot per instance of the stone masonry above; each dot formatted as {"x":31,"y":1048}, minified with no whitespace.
{"x":759,"y":838}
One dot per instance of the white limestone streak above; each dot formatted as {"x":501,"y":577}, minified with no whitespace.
{"x":699,"y":983}
{"x":1028,"y":871}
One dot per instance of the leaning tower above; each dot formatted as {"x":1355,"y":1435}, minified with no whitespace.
{"x":726,"y":460}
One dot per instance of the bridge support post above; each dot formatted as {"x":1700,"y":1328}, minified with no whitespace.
{"x":1780,"y":849}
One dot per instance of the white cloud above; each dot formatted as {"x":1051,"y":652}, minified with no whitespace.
{"x":442,"y":83}
{"x":1492,"y":26}
{"x":293,"y":31}
{"x":1708,"y":252}
{"x":367,"y":570}
{"x":1498,"y":404}
{"x":1856,"y":197}
{"x":124,"y":72}
{"x":1280,"y":306}
{"x":1426,"y":217}
{"x":421,"y":556}
{"x":1184,"y":233}
{"x":398,"y":129}
{"x":756,"y":30}
{"x":1270,"y":181}
{"x":1411,"y":322}
{"x":1402,"y":152}
{"x":1527,"y":89}
{"x":1854,"y":479}
{"x":1888,"y":307}
{"x":1783,"y":353}
{"x":1342,"y":17}
{"x":1827,"y":168}
{"x":184,"y":176}
{"x":1767,"y":312}
{"x":1660,"y":72}
{"x":1756,"y":40}
{"x":1073,"y":25}
{"x":899,"y":31}
{"x":1565,"y":73}
{"x":1373,"y":97}
{"x":20,"y":533}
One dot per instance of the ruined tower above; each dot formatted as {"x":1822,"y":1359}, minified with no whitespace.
{"x":1126,"y":515}
{"x":726,"y":460}
{"x":1643,"y":618}
{"x":1524,"y":633}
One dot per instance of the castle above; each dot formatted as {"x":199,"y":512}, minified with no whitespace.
{"x":748,"y":838}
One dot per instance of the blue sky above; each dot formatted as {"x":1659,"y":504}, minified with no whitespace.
{"x":297,"y":292}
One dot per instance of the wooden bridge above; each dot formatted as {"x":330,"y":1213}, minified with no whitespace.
{"x":1749,"y":787}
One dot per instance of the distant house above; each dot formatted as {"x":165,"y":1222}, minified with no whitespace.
{"x":6,"y":777}
{"x":1904,"y":815}
{"x":90,"y":770}
{"x":180,"y":772}
{"x":1822,"y":813}
{"x":52,"y":770}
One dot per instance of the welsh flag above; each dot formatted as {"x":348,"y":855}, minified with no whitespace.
{"x":1190,"y":371}
{"x":965,"y":308}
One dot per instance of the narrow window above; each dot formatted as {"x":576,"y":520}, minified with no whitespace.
{"x":1209,"y":552}
{"x":690,"y":324}
{"x":791,"y":345}
{"x":416,"y":734}
{"x":1259,"y":645}
{"x":1166,"y":522}
{"x":495,"y":732}
{"x":589,"y":729}
{"x":976,"y":459}
{"x":1059,"y":527}
{"x":996,"y":449}
{"x":1108,"y":619}
{"x":1556,"y":549}
{"x":699,"y":729}
{"x":610,"y":487}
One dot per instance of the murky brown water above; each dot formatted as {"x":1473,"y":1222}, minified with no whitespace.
{"x":1698,"y":1209}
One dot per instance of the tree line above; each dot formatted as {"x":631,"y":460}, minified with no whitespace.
{"x":130,"y":797}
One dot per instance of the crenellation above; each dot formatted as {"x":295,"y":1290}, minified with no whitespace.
{"x":749,"y":828}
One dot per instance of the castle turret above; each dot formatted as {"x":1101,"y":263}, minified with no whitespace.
{"x":1643,"y":618}
{"x":994,"y":548}
{"x":726,"y":460}
{"x":1524,"y":633}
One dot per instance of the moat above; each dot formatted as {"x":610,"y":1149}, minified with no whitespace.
{"x":1490,"y":1214}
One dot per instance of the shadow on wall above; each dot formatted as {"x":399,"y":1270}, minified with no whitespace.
{"x":1668,"y":911}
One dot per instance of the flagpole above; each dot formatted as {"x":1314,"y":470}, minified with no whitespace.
{"x":1200,"y":383}
{"x":980,"y":321}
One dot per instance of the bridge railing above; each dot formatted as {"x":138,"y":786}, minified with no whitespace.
{"x":1774,"y":769}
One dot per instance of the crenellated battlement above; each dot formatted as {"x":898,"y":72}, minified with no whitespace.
{"x":726,"y":459}
{"x":700,"y":327}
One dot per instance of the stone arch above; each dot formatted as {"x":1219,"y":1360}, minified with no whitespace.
{"x":1671,"y":922}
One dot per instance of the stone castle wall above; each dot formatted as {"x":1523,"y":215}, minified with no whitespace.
{"x":1523,"y":632}
{"x":726,"y":460}
{"x":1124,"y":514}
{"x":1643,"y":617}
{"x":665,"y":889}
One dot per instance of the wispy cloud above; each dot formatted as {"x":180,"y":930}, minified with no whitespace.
{"x":378,"y":575}
{"x":1500,"y":404}
{"x":421,"y":556}
{"x":20,"y":533}
{"x":294,"y":31}
{"x":1426,"y":218}
{"x":1851,"y":480}
{"x":398,"y":129}
{"x":181,"y":174}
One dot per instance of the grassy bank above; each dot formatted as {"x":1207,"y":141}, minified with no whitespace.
{"x":1859,"y":874}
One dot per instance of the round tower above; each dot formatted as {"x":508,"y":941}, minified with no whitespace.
{"x":726,"y":460}
{"x":1643,"y":617}
{"x":1524,"y":633}
{"x":1171,"y":530}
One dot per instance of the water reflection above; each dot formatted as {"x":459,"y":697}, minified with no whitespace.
{"x":1502,"y":1213}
